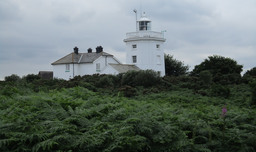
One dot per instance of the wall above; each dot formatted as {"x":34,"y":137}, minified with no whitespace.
{"x":59,"y":71}
{"x":146,"y":53}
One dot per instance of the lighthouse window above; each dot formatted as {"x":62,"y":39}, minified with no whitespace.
{"x":134,"y":46}
{"x":134,"y":59}
{"x":157,"y":46}
{"x":144,"y":25}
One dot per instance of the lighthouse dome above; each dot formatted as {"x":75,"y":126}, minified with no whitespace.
{"x":144,"y":17}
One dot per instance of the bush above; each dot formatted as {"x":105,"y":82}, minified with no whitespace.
{"x":251,"y":72}
{"x":249,"y":75}
{"x":143,"y":78}
{"x":253,"y":89}
{"x":206,"y":77}
{"x":12,"y":78}
{"x":31,"y":77}
{"x":174,"y":67}
{"x":128,"y":91}
{"x":105,"y":81}
{"x":224,"y":70}
{"x":9,"y":91}
{"x":221,"y":91}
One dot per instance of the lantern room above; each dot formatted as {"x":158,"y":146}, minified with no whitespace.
{"x":144,"y":24}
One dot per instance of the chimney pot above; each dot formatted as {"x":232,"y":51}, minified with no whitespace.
{"x":99,"y":49}
{"x":89,"y":50}
{"x":76,"y":50}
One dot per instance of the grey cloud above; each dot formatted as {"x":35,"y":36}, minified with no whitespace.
{"x":9,"y":11}
{"x":42,"y":31}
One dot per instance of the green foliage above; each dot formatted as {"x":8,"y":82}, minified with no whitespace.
{"x":224,"y":70}
{"x":9,"y":90}
{"x":251,"y":72}
{"x":128,"y":91}
{"x":221,"y":91}
{"x":206,"y":77}
{"x":105,"y":81}
{"x":253,"y":90}
{"x":31,"y":77}
{"x":78,"y":116}
{"x":174,"y":67}
{"x":143,"y":78}
{"x":12,"y":78}
{"x":249,"y":75}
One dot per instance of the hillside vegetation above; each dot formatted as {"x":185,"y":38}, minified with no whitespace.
{"x":137,"y":111}
{"x":212,"y":108}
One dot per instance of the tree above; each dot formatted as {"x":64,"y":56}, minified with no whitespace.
{"x":12,"y":78}
{"x":206,"y":77}
{"x":31,"y":77}
{"x":250,"y":75}
{"x":224,"y":70}
{"x":251,"y":72}
{"x":253,"y":90}
{"x":174,"y":67}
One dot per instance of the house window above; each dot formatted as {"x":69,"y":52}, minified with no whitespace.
{"x":97,"y":67}
{"x":67,"y":67}
{"x":134,"y":46}
{"x":134,"y":59}
{"x":157,"y":46}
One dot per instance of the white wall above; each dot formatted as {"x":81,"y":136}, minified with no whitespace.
{"x":147,"y":55}
{"x":59,"y":71}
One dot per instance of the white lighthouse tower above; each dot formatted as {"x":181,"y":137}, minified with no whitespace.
{"x":145,"y":47}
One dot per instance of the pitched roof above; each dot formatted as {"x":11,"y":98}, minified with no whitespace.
{"x":80,"y":58}
{"x":122,"y":68}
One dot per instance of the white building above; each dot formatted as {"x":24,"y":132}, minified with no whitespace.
{"x":144,"y":51}
{"x":145,"y":47}
{"x":89,"y":63}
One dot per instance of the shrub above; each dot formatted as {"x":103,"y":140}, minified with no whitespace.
{"x":206,"y":77}
{"x":253,"y":89}
{"x":105,"y":81}
{"x":249,"y":75}
{"x":31,"y":77}
{"x":174,"y":67}
{"x":220,"y":90}
{"x":143,"y":78}
{"x":224,"y":70}
{"x":128,"y":91}
{"x":9,"y":90}
{"x":12,"y":78}
{"x":251,"y":72}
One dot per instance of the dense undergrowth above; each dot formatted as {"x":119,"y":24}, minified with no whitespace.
{"x":178,"y":114}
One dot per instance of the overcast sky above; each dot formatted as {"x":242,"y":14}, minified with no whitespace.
{"x":35,"y":33}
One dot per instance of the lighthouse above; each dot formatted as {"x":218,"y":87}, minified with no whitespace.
{"x":144,"y":48}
